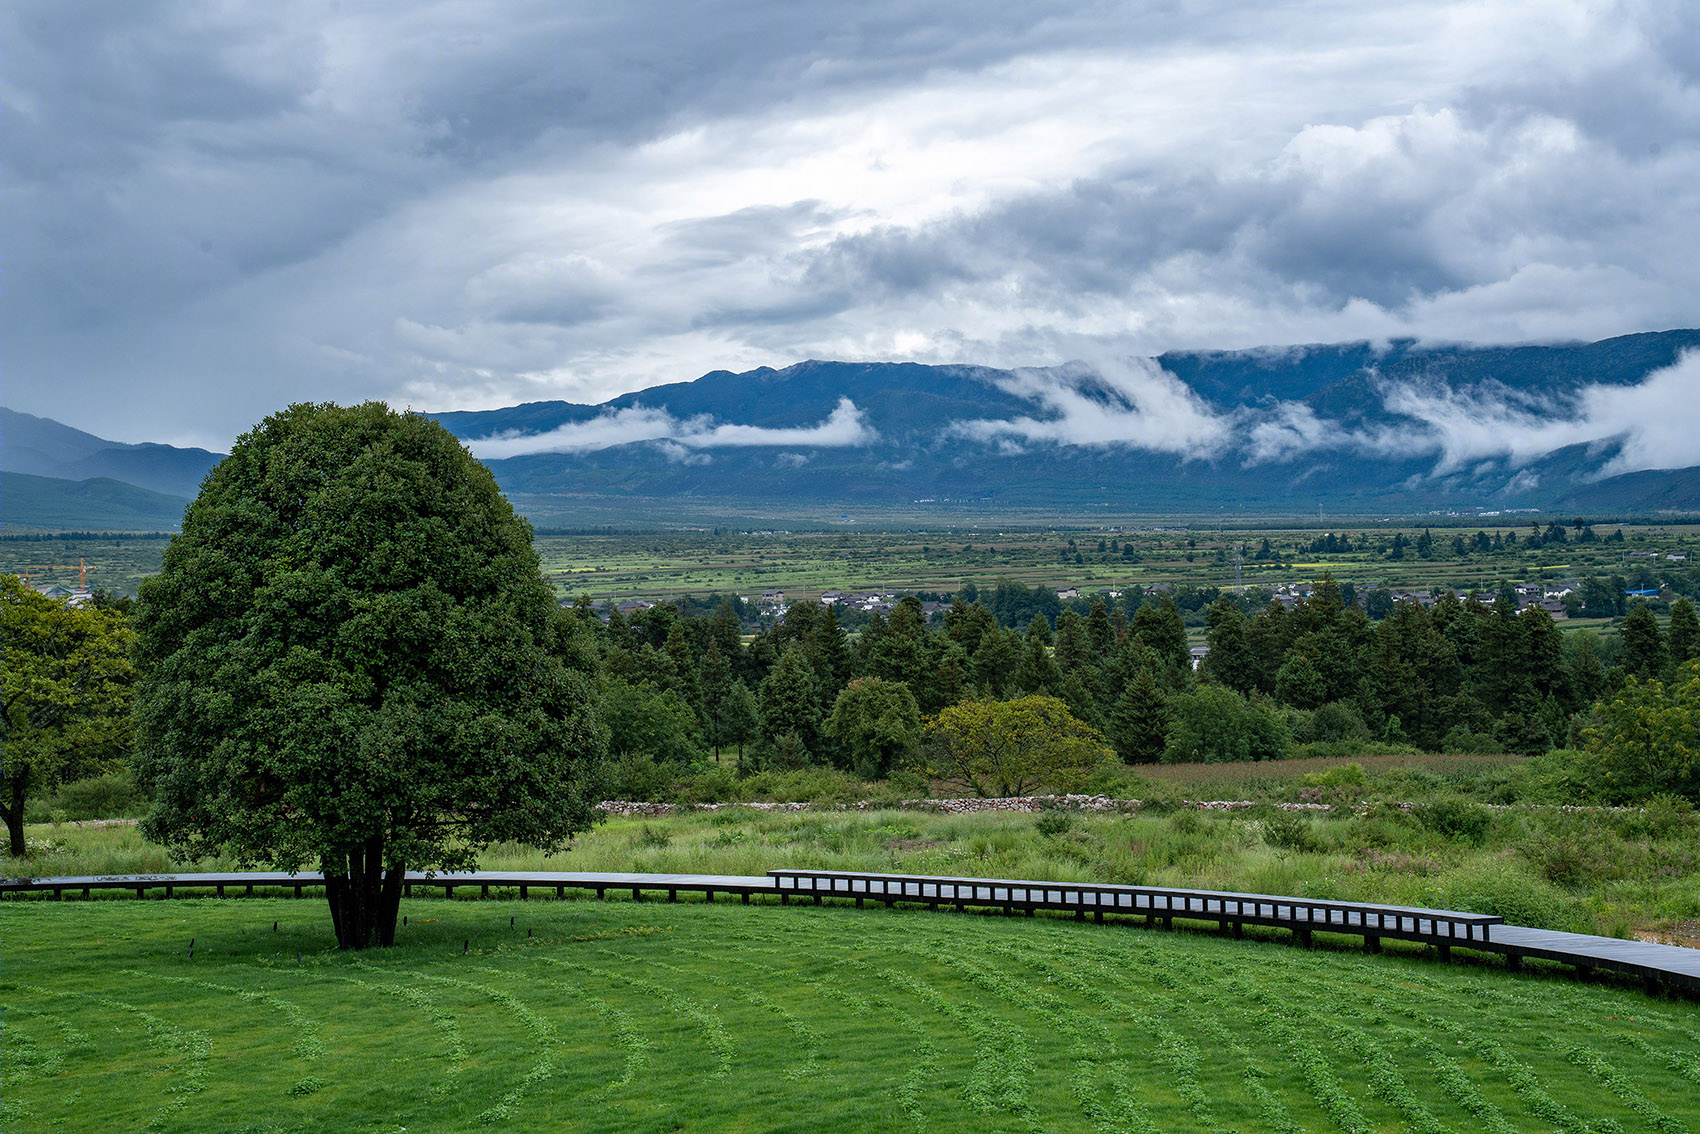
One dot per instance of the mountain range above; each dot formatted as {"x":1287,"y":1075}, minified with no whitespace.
{"x":1357,"y":428}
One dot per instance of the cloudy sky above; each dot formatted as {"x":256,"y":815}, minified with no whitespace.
{"x":214,"y":209}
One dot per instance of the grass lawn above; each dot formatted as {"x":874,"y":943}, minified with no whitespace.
{"x":628,"y":1016}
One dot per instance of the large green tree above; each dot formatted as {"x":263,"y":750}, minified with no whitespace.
{"x":1647,"y":738}
{"x":1005,"y":748}
{"x":347,"y":659}
{"x":67,"y":689}
{"x":877,"y":726}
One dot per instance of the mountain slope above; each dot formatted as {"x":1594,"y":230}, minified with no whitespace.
{"x":97,"y":504}
{"x":1351,"y":427}
{"x":1362,"y":427}
{"x":43,"y":447}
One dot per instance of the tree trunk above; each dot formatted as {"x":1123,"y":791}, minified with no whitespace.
{"x":12,"y":809}
{"x":364,"y":897}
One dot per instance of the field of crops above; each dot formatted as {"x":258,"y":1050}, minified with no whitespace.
{"x":660,"y":565}
{"x":234,"y":1016}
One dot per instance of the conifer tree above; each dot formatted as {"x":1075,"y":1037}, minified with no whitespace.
{"x":1139,"y":724}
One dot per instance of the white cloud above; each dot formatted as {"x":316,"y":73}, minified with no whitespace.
{"x":845,"y":426}
{"x":1655,"y":423}
{"x":254,"y":204}
{"x":1652,"y":424}
{"x":1131,"y":402}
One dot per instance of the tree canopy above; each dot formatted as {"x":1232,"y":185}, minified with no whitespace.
{"x":348,"y":660}
{"x":1647,"y":738}
{"x":67,"y":689}
{"x":878,"y":725}
{"x":1005,"y":748}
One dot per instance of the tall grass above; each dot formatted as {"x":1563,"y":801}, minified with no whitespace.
{"x":1586,"y":872}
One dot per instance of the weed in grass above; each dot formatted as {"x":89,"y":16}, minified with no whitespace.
{"x":307,"y":1046}
{"x":1053,"y":822}
{"x":1620,"y":1085}
{"x":188,"y":1048}
{"x":447,"y":1026}
{"x":708,"y":1025}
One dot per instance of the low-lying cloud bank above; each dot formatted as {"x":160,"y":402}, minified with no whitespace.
{"x":1135,"y":404}
{"x":1132,"y":403}
{"x":1654,"y":424}
{"x":845,"y":426}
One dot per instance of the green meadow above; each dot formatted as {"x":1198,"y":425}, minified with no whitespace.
{"x":651,"y":1016}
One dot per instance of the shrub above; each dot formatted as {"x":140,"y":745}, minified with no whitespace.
{"x":1647,"y":738}
{"x":1461,"y":739}
{"x":1345,"y":775}
{"x":1661,"y":817}
{"x":1216,"y":724}
{"x":1286,"y":830}
{"x":1500,"y":887}
{"x":100,"y":797}
{"x":1115,"y":780}
{"x":1563,"y":775}
{"x":1333,"y":723}
{"x":1053,"y":821}
{"x":711,"y":783}
{"x":804,"y":785}
{"x":637,"y":777}
{"x":1186,"y":822}
{"x":1455,"y":819}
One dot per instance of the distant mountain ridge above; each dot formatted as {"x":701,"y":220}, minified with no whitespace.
{"x":1366,"y":427}
{"x":1391,"y":428}
{"x":43,"y":447}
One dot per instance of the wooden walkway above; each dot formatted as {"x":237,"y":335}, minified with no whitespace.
{"x":1657,"y":966}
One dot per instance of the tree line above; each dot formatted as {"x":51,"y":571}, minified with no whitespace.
{"x":1460,"y":675}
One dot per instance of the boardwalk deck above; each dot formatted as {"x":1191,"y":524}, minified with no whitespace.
{"x":1658,"y":966}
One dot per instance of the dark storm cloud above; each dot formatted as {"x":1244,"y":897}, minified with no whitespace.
{"x":216,"y":209}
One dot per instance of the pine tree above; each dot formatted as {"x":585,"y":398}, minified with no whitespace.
{"x":994,"y":663}
{"x":788,"y":700}
{"x":1037,"y":673}
{"x":1682,"y":639}
{"x":1138,"y":726}
{"x":1643,"y":645}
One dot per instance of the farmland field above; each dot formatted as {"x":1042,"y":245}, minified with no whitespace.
{"x":662,"y":565}
{"x":649,"y":1016}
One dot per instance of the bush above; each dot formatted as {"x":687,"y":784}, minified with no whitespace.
{"x":100,"y":797}
{"x":710,"y":783}
{"x":1333,"y":723}
{"x":637,"y":777}
{"x":1053,"y":821}
{"x":1660,"y":817}
{"x":1186,"y":821}
{"x":1563,"y":775}
{"x":1117,"y":781}
{"x":1216,"y":724}
{"x":1462,"y":740}
{"x":1345,"y":775}
{"x":1500,"y":887}
{"x":1286,"y":830}
{"x":804,"y":785}
{"x":1646,"y":738}
{"x":1455,"y":819}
